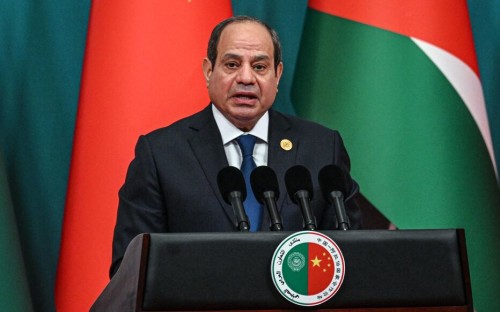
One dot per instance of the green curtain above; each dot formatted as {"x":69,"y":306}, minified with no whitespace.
{"x":41,"y":51}
{"x":14,"y":291}
{"x":485,"y":19}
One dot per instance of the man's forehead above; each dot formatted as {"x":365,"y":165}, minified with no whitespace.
{"x":246,"y":30}
{"x":246,"y":34}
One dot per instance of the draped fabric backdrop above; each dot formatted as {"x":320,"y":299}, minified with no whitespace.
{"x":80,"y":82}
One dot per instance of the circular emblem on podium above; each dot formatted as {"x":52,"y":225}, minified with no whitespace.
{"x":308,"y":268}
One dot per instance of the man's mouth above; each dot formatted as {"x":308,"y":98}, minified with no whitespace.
{"x":244,"y":96}
{"x":248,"y":97}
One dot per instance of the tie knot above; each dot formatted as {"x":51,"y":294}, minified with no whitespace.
{"x":247,"y":143}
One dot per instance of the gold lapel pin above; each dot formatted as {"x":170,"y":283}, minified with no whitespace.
{"x":286,"y":144}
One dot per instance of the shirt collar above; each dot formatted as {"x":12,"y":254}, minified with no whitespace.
{"x":229,"y":132}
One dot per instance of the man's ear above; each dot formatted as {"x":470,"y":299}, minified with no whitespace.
{"x":207,"y":70}
{"x":279,"y":71}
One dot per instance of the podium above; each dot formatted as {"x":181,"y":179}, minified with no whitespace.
{"x":405,"y":270}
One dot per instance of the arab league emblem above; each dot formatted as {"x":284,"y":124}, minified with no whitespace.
{"x":308,"y":268}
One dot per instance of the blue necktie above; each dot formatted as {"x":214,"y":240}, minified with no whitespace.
{"x":252,"y":206}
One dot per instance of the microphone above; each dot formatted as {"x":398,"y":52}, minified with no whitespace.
{"x":299,"y":187}
{"x":332,"y":181}
{"x":232,"y":187}
{"x":265,"y":187}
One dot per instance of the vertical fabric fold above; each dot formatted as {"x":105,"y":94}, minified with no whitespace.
{"x":14,"y":290}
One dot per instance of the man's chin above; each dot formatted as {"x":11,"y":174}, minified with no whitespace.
{"x":245,"y":112}
{"x":245,"y":122}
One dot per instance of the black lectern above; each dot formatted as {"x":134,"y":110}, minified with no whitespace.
{"x":411,"y":270}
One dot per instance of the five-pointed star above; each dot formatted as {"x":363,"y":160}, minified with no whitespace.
{"x":316,"y":261}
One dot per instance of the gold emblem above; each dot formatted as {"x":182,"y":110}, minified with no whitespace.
{"x":286,"y":144}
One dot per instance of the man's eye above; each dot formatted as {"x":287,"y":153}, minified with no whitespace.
{"x":231,"y":65}
{"x":259,"y":67}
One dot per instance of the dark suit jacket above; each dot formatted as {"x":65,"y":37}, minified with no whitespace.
{"x":171,"y":185}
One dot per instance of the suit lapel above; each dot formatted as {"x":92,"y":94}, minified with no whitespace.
{"x":206,"y":143}
{"x":280,"y":158}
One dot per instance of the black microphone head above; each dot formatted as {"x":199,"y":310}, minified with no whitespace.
{"x":264,"y":179}
{"x":332,"y":178}
{"x":298,"y":178}
{"x":231,"y":179}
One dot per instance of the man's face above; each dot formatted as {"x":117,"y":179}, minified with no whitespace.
{"x":243,"y":83}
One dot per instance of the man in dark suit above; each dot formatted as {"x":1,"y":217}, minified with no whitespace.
{"x":171,"y":185}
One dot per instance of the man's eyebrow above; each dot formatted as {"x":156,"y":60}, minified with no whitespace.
{"x":259,"y":57}
{"x":229,"y":56}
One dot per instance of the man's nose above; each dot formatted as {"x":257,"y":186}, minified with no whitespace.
{"x":246,"y":75}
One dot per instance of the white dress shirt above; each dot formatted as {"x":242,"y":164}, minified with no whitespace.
{"x":229,"y":134}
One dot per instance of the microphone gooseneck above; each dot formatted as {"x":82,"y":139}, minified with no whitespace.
{"x":266,"y":189}
{"x":332,"y":181}
{"x":232,"y":188}
{"x":300,"y":189}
